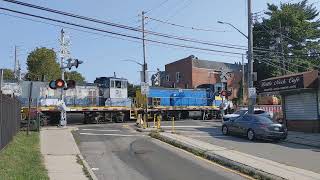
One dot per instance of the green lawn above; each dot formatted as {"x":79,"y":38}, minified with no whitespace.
{"x":22,"y":160}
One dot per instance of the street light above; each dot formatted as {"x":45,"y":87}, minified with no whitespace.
{"x":250,"y":54}
{"x":143,"y":66}
{"x":221,"y":22}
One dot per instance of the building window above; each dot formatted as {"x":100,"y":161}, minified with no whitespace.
{"x":167,"y":78}
{"x":178,"y":76}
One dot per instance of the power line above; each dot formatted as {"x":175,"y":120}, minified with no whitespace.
{"x":106,"y":35}
{"x":232,"y":46}
{"x":67,"y":27}
{"x":257,"y":49}
{"x":273,"y":65}
{"x":177,"y":10}
{"x":120,"y":34}
{"x":157,"y":6}
{"x":183,"y":26}
{"x":121,"y":26}
{"x":294,"y":64}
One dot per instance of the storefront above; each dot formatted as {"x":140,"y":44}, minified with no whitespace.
{"x":300,"y":99}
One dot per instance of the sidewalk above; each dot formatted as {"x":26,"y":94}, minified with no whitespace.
{"x":60,"y":153}
{"x":249,"y":162}
{"x":309,"y":139}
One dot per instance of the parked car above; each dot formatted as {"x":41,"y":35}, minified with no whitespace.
{"x":255,"y":126}
{"x":244,"y":111}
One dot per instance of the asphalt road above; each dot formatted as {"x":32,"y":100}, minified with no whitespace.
{"x":300,"y":156}
{"x":117,"y":152}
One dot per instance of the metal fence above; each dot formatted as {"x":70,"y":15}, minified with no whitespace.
{"x":10,"y":117}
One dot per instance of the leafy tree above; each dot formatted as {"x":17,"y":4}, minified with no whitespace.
{"x":8,"y":74}
{"x":132,"y":90}
{"x":42,"y":61}
{"x":74,"y":75}
{"x":300,"y":39}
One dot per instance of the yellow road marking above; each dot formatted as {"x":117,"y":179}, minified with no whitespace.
{"x":126,"y":126}
{"x":210,"y":162}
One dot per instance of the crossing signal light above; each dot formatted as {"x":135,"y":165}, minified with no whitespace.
{"x":73,"y":62}
{"x":226,"y":93}
{"x":55,"y":84}
{"x":52,"y":84}
{"x":71,"y":84}
{"x":223,"y":93}
{"x":60,"y":83}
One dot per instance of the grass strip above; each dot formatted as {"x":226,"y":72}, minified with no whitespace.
{"x":22,"y":160}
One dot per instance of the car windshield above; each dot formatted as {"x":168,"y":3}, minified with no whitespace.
{"x":263,"y":119}
{"x":240,"y":112}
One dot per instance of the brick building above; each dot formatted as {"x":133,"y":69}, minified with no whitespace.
{"x":192,"y":72}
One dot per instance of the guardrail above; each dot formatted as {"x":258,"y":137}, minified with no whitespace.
{"x":10,"y":117}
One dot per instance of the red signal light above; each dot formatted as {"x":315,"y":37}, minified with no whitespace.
{"x":60,"y":83}
{"x":223,"y":93}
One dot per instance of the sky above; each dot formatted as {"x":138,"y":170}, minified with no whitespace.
{"x":104,"y":54}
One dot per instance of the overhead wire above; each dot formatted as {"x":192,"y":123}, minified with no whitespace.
{"x":257,"y":49}
{"x":115,"y":37}
{"x":122,"y":26}
{"x":273,"y":65}
{"x":183,"y":26}
{"x":156,"y":7}
{"x":119,"y":34}
{"x":224,"y":45}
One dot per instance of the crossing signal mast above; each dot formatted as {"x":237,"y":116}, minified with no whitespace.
{"x":61,"y":83}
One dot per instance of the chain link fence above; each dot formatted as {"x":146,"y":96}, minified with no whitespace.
{"x":10,"y":117}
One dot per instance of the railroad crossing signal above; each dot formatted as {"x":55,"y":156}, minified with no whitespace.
{"x":59,"y":83}
{"x":225,"y":93}
{"x":73,"y":62}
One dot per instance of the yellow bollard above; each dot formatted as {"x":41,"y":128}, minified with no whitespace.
{"x":159,"y":122}
{"x":154,"y":121}
{"x":145,"y":121}
{"x":172,"y":124}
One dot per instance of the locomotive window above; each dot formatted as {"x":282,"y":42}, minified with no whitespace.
{"x":118,"y":84}
{"x":124,"y":84}
{"x":112,"y":83}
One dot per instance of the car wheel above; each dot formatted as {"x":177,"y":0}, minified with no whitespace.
{"x":250,"y":135}
{"x":225,"y":130}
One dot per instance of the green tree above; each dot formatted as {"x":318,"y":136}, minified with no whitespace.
{"x":300,"y":39}
{"x":132,"y":90}
{"x":74,"y":75}
{"x":42,"y":61}
{"x":8,"y":74}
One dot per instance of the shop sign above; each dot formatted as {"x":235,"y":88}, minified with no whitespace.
{"x":285,"y":83}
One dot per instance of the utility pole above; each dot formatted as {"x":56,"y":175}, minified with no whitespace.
{"x":144,"y":70}
{"x":282,"y":52}
{"x":63,"y":120}
{"x":144,"y":49}
{"x":243,"y":80}
{"x":250,"y":58}
{"x":15,"y":62}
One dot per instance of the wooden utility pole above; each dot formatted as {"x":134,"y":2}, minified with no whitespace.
{"x":144,"y":70}
{"x":29,"y":106}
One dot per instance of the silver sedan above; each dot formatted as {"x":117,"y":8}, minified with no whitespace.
{"x":254,"y":126}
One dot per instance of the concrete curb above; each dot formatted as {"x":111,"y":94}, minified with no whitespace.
{"x":85,"y":163}
{"x":149,"y":130}
{"x":242,"y":168}
{"x":304,"y":144}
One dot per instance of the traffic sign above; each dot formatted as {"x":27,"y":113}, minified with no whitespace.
{"x":252,"y":92}
{"x":144,"y":88}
